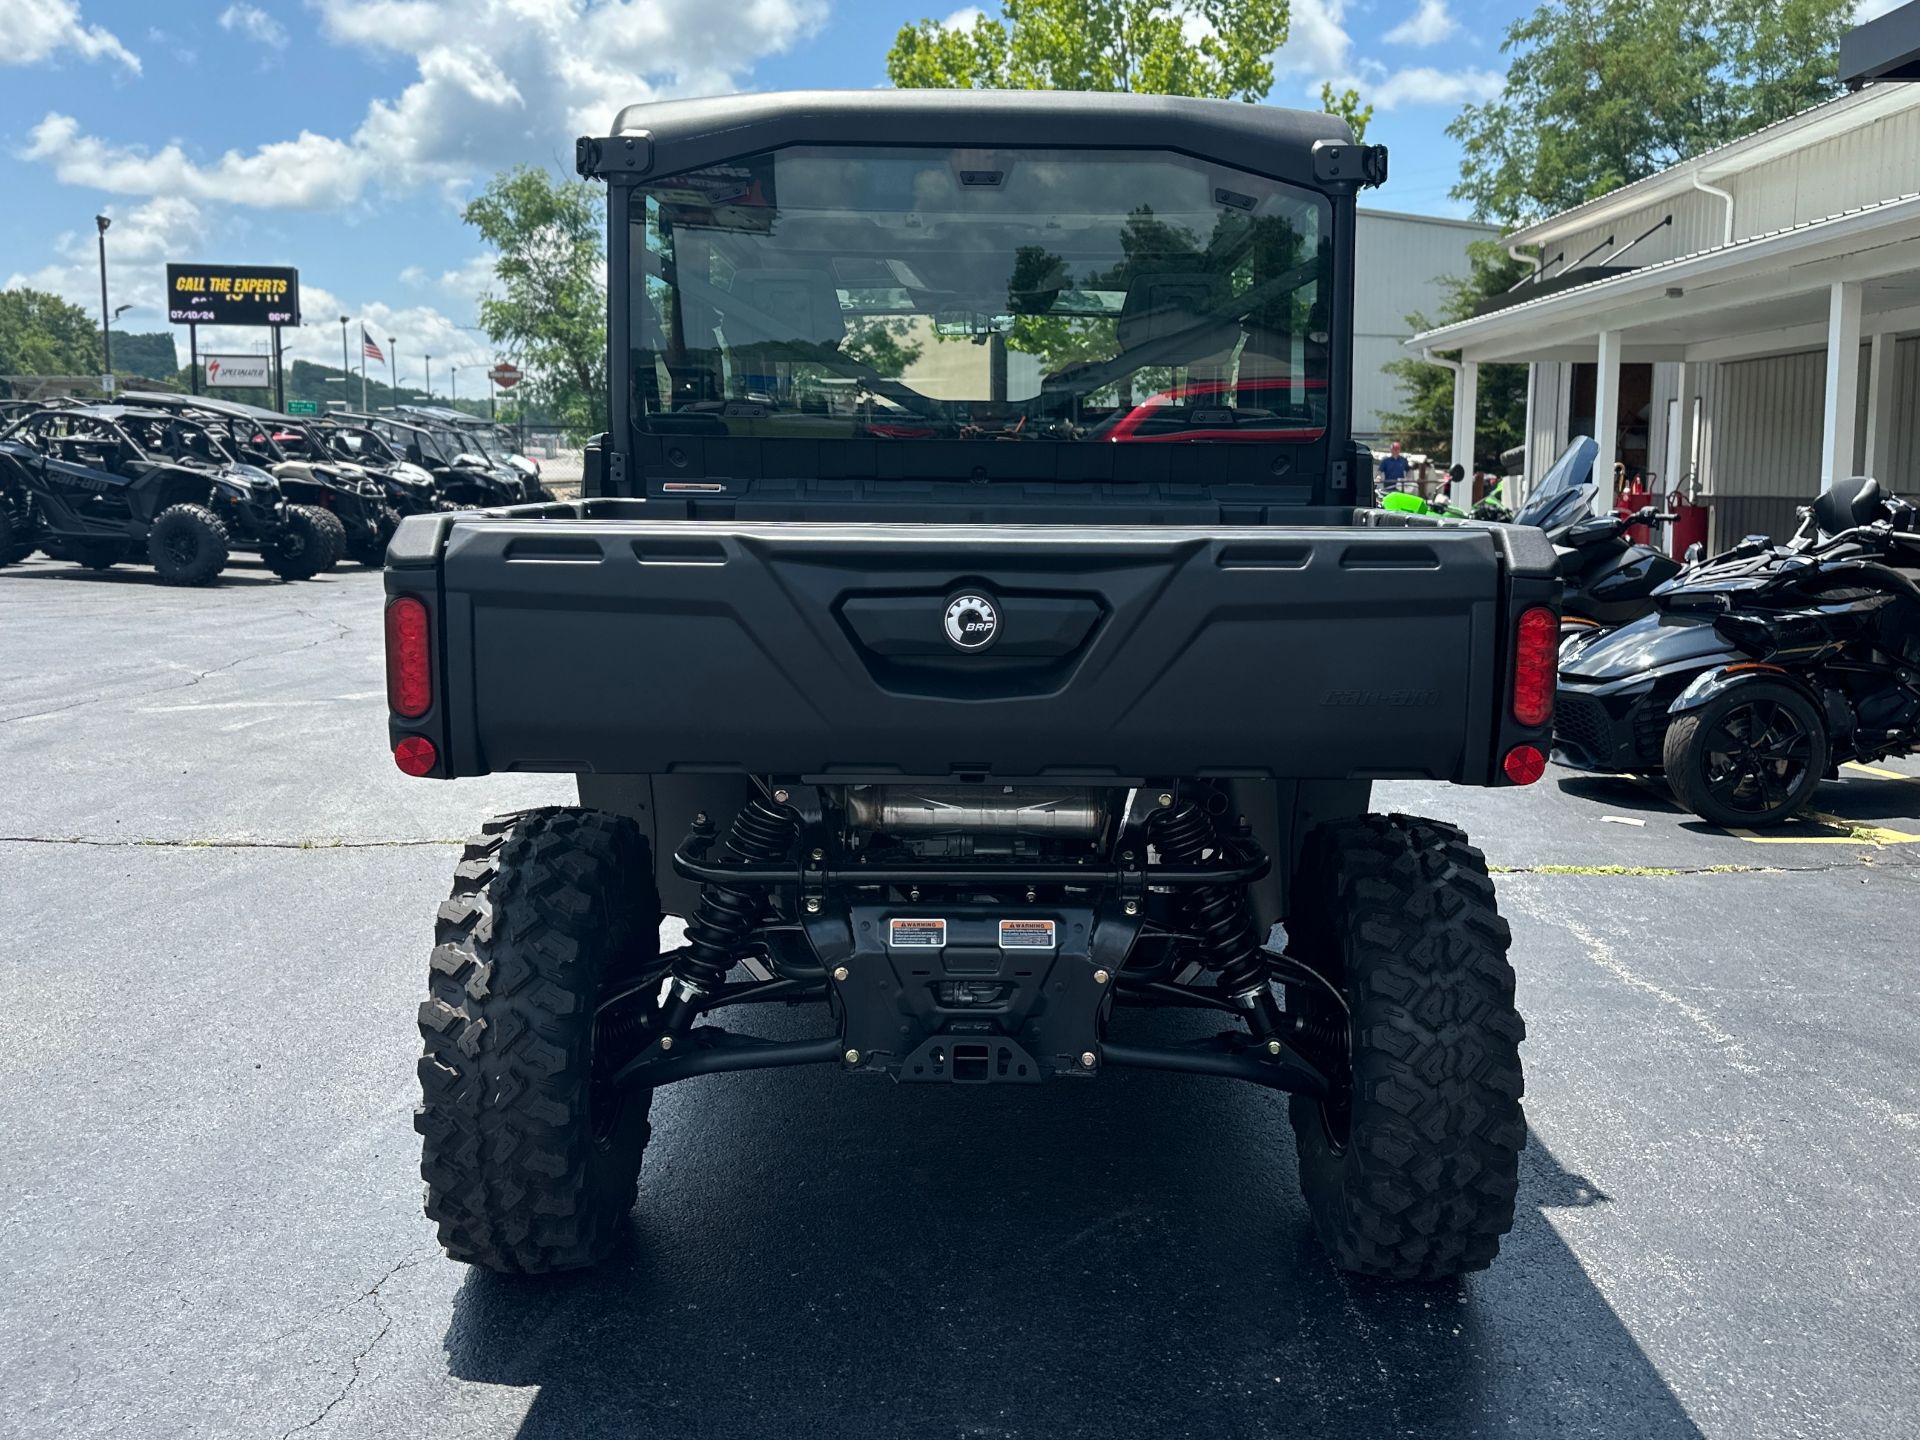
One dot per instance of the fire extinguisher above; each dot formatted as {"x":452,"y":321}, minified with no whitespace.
{"x":1633,"y":498}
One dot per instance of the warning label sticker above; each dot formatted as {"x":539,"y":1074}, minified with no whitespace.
{"x":1026,"y":935}
{"x":917,"y":934}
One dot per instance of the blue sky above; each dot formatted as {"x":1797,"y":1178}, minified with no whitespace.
{"x":342,"y":136}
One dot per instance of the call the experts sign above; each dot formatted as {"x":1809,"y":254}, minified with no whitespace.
{"x":233,"y":295}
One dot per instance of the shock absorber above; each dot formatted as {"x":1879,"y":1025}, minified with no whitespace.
{"x":1218,"y":917}
{"x":728,"y":914}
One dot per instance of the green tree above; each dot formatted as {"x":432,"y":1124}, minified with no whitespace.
{"x":1600,"y":93}
{"x":549,"y":309}
{"x":41,"y":334}
{"x":152,"y":354}
{"x":1346,"y":104}
{"x":1150,"y":46}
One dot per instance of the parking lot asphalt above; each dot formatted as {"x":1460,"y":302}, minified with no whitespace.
{"x":215,"y":901}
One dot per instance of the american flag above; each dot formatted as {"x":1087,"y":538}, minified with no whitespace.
{"x":368,"y":348}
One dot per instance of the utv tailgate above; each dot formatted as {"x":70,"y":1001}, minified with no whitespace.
{"x":821,"y":651}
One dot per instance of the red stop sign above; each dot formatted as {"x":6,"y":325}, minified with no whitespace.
{"x":504,"y":375}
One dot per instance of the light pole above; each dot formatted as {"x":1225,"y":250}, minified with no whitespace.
{"x":106,"y":320}
{"x":346,"y":365}
{"x":455,"y":370}
{"x":429,"y":379}
{"x":393,"y":366}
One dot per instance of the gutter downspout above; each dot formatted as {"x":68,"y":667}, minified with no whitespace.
{"x":1726,"y":198}
{"x":1513,"y":253}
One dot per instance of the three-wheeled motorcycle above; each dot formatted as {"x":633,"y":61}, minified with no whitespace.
{"x":1762,"y":669}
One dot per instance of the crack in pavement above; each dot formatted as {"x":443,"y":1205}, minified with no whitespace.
{"x":359,"y":1358}
{"x":344,"y":632}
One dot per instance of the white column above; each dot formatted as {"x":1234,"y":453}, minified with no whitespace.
{"x":1606,"y":418}
{"x":1843,"y":382}
{"x":1680,"y":453}
{"x":1526,"y":440}
{"x":1466,"y":404}
{"x":1881,"y":371}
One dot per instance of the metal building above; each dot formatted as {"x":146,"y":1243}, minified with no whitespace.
{"x":1736,"y":326}
{"x":1400,"y":262}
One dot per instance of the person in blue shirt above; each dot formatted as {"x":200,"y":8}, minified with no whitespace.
{"x":1393,"y":467}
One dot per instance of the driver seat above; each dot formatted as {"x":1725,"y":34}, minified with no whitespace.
{"x":1854,"y":501}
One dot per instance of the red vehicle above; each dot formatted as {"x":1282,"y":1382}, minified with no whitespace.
{"x":1220,"y":410}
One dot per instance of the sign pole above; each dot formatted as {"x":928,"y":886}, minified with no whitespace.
{"x":193,"y":352}
{"x":279,"y":375}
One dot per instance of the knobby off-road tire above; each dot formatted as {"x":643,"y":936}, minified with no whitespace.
{"x":1695,"y":754}
{"x":16,"y":530}
{"x":1414,"y":1177}
{"x":188,"y":545}
{"x":529,"y":1167}
{"x":333,"y":530}
{"x":303,"y":548}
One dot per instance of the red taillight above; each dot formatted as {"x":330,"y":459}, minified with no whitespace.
{"x":409,"y":659}
{"x":415,"y":755}
{"x":1524,"y":764}
{"x":1536,"y":646}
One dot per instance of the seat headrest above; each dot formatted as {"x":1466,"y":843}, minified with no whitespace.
{"x":1853,"y":501}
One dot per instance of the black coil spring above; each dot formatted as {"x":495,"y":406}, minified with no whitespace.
{"x":1217,"y":915}
{"x":728,"y":914}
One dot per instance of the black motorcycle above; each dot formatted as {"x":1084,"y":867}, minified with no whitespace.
{"x":1763,"y":668}
{"x":1609,"y":578}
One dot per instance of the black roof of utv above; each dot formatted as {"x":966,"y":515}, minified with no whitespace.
{"x":673,"y":135}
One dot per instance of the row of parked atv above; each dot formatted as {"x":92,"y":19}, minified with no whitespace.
{"x":183,"y":481}
{"x":1744,"y":678}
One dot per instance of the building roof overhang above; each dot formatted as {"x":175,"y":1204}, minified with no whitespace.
{"x":1760,"y":290}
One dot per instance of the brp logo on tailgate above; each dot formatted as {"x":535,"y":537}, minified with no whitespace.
{"x":972,"y":621}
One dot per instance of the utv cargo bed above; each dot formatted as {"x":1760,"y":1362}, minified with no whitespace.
{"x":597,"y":644}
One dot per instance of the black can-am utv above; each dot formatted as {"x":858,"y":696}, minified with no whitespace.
{"x":102,"y":484}
{"x":464,"y":478}
{"x":977,"y":627}
{"x":408,"y":489}
{"x":355,"y":515}
{"x":482,"y":437}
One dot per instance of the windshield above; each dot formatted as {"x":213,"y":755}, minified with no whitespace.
{"x":921,"y":294}
{"x":1563,"y":493}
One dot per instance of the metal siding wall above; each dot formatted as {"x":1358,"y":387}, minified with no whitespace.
{"x":1905,"y":450}
{"x":1766,"y":443}
{"x":1877,"y":161}
{"x":1399,"y":262}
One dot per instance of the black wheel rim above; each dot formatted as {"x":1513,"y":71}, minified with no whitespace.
{"x":1757,"y":756}
{"x":183,"y":547}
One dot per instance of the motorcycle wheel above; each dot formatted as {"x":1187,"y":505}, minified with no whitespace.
{"x":1751,"y":757}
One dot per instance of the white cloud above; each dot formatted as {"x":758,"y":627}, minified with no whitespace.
{"x":1423,"y":85}
{"x":964,"y":18}
{"x":309,"y":172}
{"x":1319,"y":49}
{"x":255,"y":24}
{"x":35,"y":30}
{"x":1873,"y":9}
{"x":139,"y":243}
{"x":1318,"y":45}
{"x":1430,"y":24}
{"x":495,"y":81}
